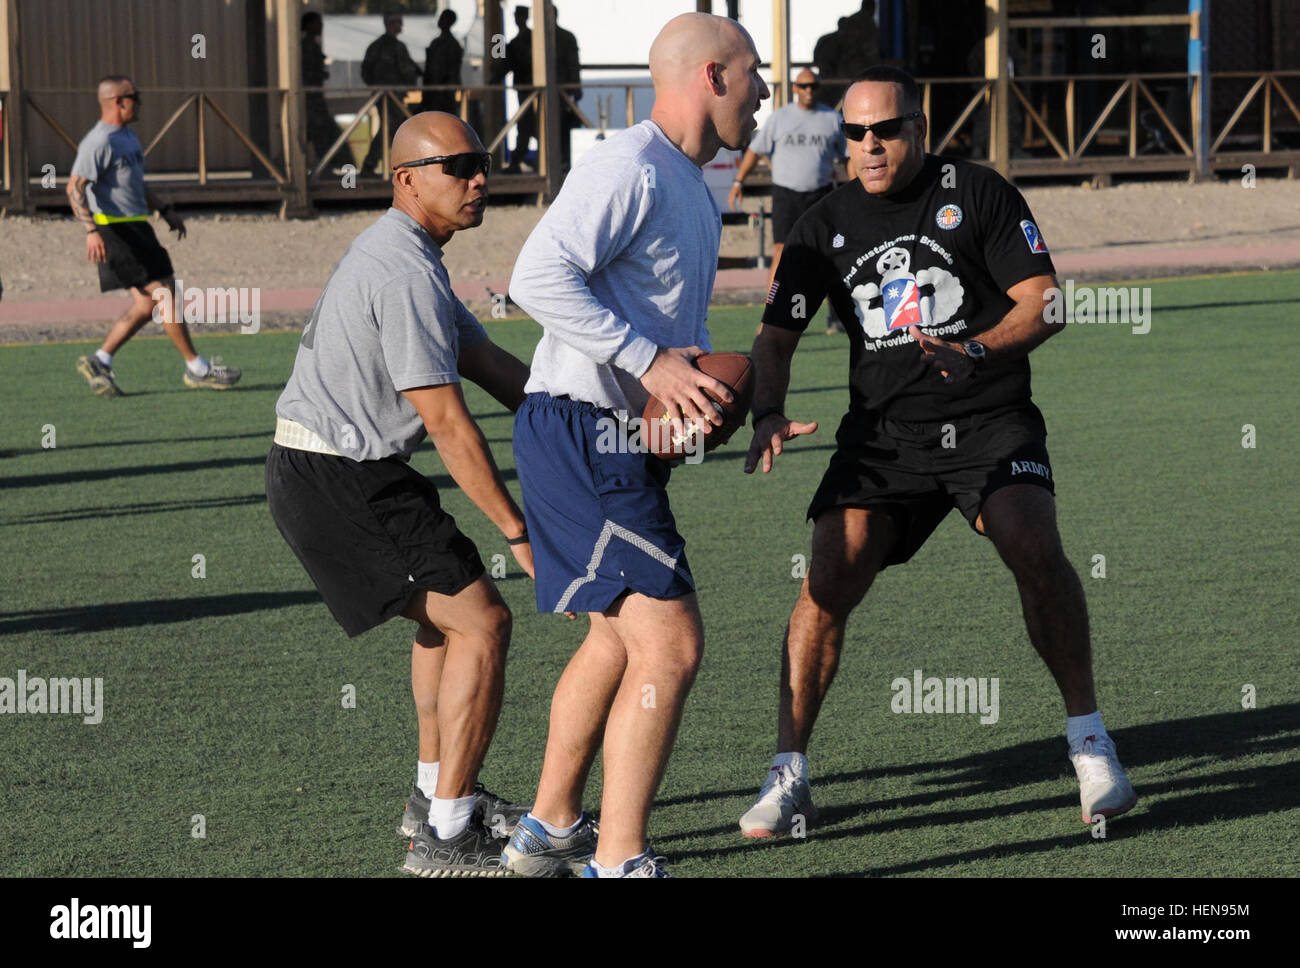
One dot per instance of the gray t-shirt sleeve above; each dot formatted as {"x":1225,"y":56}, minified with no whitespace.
{"x":419,"y":324}
{"x":92,"y":158}
{"x":469,"y":330}
{"x":582,"y":232}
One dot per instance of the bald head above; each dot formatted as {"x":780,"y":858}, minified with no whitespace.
{"x":114,"y":86}
{"x":690,"y":41}
{"x":432,"y":133}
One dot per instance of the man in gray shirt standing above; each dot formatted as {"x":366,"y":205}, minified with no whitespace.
{"x":804,"y":141}
{"x":378,"y":367}
{"x":619,"y":273}
{"x":109,"y":198}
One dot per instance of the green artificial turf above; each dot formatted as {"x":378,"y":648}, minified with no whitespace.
{"x":223,"y":693}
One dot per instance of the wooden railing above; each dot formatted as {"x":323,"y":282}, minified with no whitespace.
{"x":1097,"y":124}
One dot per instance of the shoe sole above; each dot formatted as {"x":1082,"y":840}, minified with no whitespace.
{"x":441,"y":872}
{"x":1110,"y":812}
{"x":539,"y":865}
{"x":199,"y":385}
{"x":100,"y":385}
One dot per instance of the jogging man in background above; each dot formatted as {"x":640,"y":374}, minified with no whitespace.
{"x":109,"y":198}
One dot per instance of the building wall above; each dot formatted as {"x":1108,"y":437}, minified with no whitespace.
{"x":70,"y":44}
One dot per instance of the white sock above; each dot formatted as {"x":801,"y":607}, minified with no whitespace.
{"x":555,"y":831}
{"x":426,"y":777}
{"x":1079,"y":728}
{"x":797,"y":762}
{"x":615,"y":871}
{"x":105,"y":358}
{"x":450,"y":817}
{"x":197,"y":366}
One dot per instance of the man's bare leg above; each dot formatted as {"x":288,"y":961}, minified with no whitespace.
{"x":1021,"y":522}
{"x":476,"y":625}
{"x":849,"y":545}
{"x":129,"y":323}
{"x":579,"y":710}
{"x":173,"y":325}
{"x":664,"y":641}
{"x":428,"y":654}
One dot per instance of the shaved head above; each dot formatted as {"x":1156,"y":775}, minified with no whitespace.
{"x":707,"y":86}
{"x":114,"y":86}
{"x":690,"y":41}
{"x":442,"y":203}
{"x":432,"y":133}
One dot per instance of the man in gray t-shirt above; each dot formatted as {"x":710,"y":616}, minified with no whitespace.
{"x":804,"y":141}
{"x":379,"y":366}
{"x":108,"y":195}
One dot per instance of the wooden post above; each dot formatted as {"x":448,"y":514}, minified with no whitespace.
{"x":1198,"y":65}
{"x":704,"y":6}
{"x":15,"y":109}
{"x":780,"y":52}
{"x":995,"y":70}
{"x":549,"y":157}
{"x":493,"y":105}
{"x":294,"y":202}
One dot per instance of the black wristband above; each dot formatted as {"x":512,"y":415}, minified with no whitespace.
{"x":763,"y":414}
{"x":522,"y":539}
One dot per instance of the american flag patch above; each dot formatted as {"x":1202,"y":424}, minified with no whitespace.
{"x":771,"y":293}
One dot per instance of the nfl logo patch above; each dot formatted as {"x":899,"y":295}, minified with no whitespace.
{"x":948,"y":217}
{"x":1033,"y":236}
{"x":837,"y":242}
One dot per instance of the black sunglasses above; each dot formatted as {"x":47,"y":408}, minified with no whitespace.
{"x":884,"y":130}
{"x":465,"y":165}
{"x":812,"y":85}
{"x":133,"y":96}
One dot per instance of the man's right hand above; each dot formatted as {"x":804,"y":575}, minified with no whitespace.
{"x":95,"y":250}
{"x":680,"y":385}
{"x":769,"y":436}
{"x":733,"y":198}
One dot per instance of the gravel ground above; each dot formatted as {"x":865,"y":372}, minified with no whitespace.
{"x":42,"y":258}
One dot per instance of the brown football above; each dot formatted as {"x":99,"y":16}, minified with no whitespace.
{"x":733,"y":369}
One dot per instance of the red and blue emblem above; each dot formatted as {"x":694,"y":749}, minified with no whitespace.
{"x":902,"y":299}
{"x":1033,"y":236}
{"x":948,"y":217}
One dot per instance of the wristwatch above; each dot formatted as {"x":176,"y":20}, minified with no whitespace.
{"x":976,"y":351}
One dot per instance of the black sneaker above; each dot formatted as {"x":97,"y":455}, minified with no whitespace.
{"x":101,"y":379}
{"x":499,"y":815}
{"x":472,"y":853}
{"x":416,"y":814}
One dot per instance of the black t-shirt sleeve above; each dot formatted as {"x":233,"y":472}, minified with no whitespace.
{"x":1014,"y":249}
{"x":803,"y":277}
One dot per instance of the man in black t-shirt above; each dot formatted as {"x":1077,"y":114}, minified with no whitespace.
{"x":941,"y":276}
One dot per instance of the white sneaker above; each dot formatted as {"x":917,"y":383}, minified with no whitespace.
{"x":1104,"y":789}
{"x":784,"y":797}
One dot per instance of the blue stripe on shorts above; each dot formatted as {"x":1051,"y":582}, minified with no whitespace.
{"x":599,"y":522}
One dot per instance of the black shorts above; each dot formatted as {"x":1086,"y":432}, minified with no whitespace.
{"x":909,"y":471}
{"x":788,"y":205}
{"x":134,"y":256}
{"x":370,"y":533}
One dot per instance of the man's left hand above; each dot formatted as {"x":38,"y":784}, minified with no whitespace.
{"x":175,"y":223}
{"x":948,"y":358}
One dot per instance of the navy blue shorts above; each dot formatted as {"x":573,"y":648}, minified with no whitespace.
{"x":599,"y":522}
